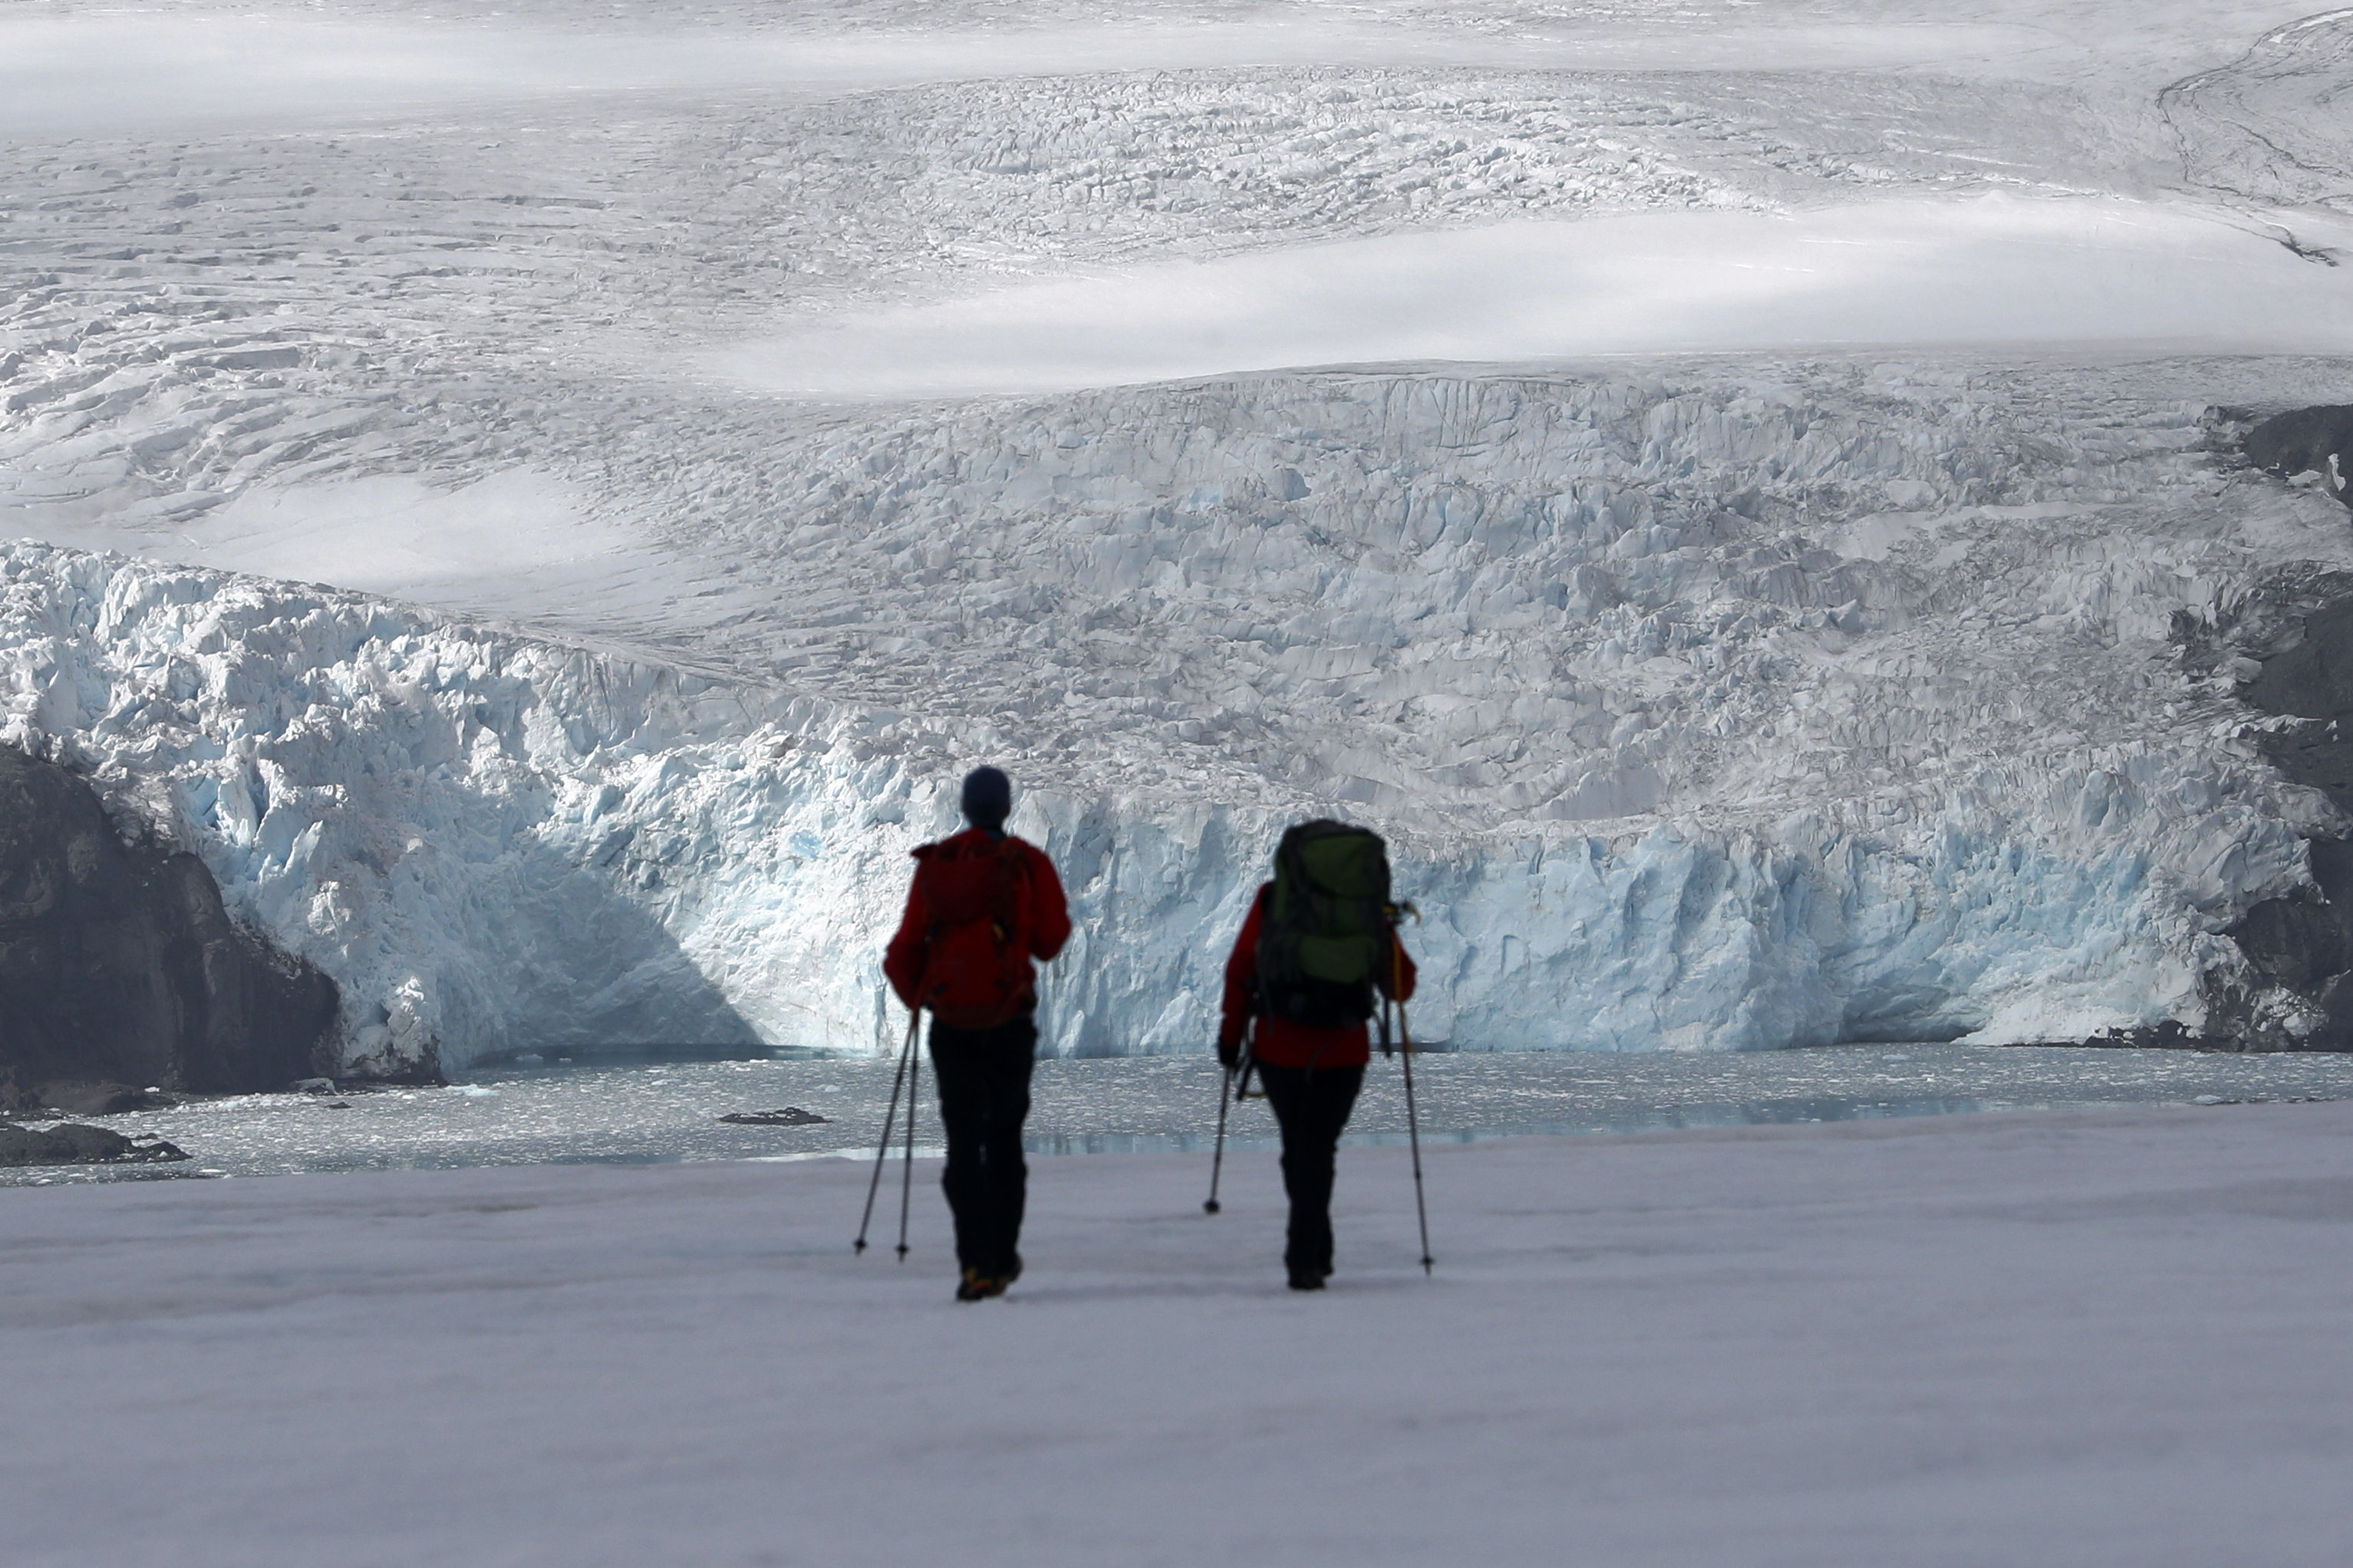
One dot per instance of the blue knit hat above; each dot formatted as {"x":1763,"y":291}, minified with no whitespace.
{"x":987,"y":798}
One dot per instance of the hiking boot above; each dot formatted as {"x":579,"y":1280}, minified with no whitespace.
{"x":1012,"y":1272}
{"x":977,"y":1287}
{"x":1308,"y":1278}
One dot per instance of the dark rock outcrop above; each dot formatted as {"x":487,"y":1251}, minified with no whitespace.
{"x":98,"y":1099}
{"x":2307,"y":441}
{"x":2299,"y":628}
{"x":2312,"y":679}
{"x":119,"y":969}
{"x":76,"y":1145}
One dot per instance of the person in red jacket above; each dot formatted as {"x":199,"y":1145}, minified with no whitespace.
{"x":1311,"y":1077}
{"x":983,"y":905}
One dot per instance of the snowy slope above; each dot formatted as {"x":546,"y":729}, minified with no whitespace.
{"x":792,"y":392}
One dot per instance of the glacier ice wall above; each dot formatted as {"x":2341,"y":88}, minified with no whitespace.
{"x":497,"y":844}
{"x":491,"y":843}
{"x":1716,"y":702}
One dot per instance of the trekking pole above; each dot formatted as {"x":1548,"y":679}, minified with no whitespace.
{"x":1217,"y":1159}
{"x":907,"y":1170}
{"x":1236,"y":1087}
{"x":1412,"y":1120}
{"x":1413,"y":1140}
{"x":890,"y":1119}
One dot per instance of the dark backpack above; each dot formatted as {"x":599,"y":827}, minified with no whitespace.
{"x":976,"y":971}
{"x":1325,"y":944}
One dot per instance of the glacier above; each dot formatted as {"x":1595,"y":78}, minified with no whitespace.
{"x":417,"y":524}
{"x":496,"y":844}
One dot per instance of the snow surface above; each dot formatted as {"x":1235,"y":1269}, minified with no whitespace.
{"x":1924,"y":274}
{"x":1815,"y":682}
{"x":2114,"y":1339}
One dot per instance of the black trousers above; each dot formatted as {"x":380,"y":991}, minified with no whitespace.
{"x":1310,"y":1105}
{"x":983,"y":1077}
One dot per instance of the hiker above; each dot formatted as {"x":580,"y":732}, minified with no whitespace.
{"x":1321,"y":940}
{"x":983,"y":905}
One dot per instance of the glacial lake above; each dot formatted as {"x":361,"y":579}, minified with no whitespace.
{"x":656,"y":1111}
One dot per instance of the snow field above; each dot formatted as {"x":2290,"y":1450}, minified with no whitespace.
{"x":2268,"y":127}
{"x":2108,"y":1339}
{"x":100,"y":72}
{"x":1923,"y":274}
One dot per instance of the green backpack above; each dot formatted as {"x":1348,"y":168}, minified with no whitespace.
{"x":1327,"y":944}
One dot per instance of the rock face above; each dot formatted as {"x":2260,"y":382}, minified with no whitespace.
{"x":78,"y":1097}
{"x":2299,"y":947}
{"x":2308,"y":441}
{"x":119,"y":964}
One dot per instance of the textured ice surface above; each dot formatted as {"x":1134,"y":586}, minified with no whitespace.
{"x":101,"y":71}
{"x":1720,"y":700}
{"x":498,"y":843}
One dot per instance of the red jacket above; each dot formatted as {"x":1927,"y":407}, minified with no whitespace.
{"x":1281,"y":1041}
{"x":1041,"y":923}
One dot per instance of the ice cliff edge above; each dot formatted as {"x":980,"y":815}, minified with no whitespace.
{"x":494,"y":843}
